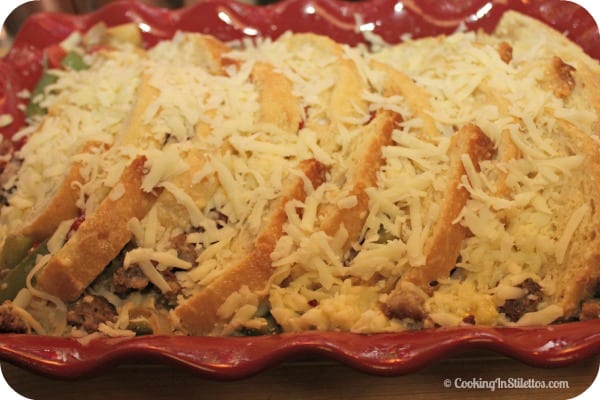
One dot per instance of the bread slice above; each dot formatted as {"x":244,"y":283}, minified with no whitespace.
{"x":340,"y":105}
{"x":278,"y":106}
{"x":396,"y":83}
{"x":198,"y":314}
{"x":210,"y":54}
{"x":363,"y":165}
{"x":526,"y":33}
{"x":134,"y":132}
{"x":578,"y":266}
{"x":572,"y":77}
{"x":443,"y":244}
{"x":62,"y":206}
{"x":100,"y":237}
{"x":569,"y":68}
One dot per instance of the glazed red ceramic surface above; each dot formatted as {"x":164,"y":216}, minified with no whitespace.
{"x":233,"y":358}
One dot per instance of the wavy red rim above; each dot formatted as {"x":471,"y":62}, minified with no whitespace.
{"x":227,"y":358}
{"x":234,"y":358}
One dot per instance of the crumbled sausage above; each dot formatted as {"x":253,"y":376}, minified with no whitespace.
{"x":505,"y":51}
{"x":132,"y":278}
{"x":169,"y":299}
{"x":406,"y":304}
{"x":10,"y":321}
{"x":515,"y":308}
{"x":128,"y":279}
{"x":185,"y":251}
{"x":89,"y":311}
{"x":590,"y":309}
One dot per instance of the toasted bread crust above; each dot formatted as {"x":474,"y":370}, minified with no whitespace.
{"x":99,"y":238}
{"x":63,"y":205}
{"x":443,"y":244}
{"x":198,"y":314}
{"x":366,"y":162}
{"x":581,"y":267}
{"x":397,"y":83}
{"x":134,"y":130}
{"x":277,"y":104}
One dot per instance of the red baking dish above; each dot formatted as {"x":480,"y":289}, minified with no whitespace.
{"x":237,"y":357}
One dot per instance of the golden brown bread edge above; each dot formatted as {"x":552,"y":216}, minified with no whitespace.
{"x":63,"y":204}
{"x":105,"y":232}
{"x":524,"y":33}
{"x":574,"y":77}
{"x":198,"y":314}
{"x":363,"y":167}
{"x":442,"y":246}
{"x":99,"y":239}
{"x":580,"y":272}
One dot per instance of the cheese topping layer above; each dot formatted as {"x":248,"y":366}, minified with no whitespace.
{"x":301,"y":184}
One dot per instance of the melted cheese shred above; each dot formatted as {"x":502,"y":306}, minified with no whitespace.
{"x":223,"y":125}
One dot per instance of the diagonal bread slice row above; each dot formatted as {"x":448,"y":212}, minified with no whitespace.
{"x":571,"y":73}
{"x":134,"y":132}
{"x":395,"y":82}
{"x":442,"y":246}
{"x":277,"y":105}
{"x":578,"y":264}
{"x":278,"y":108}
{"x":362,"y":174}
{"x":340,"y":104}
{"x":105,"y":232}
{"x":209,"y":53}
{"x":506,"y":150}
{"x":198,"y":314}
{"x":526,"y":33}
{"x":344,"y":98}
{"x":99,"y":239}
{"x":204,"y":51}
{"x":62,"y":206}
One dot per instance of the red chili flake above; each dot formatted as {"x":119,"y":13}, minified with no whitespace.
{"x":371,"y":117}
{"x":302,"y":123}
{"x":76,"y":224}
